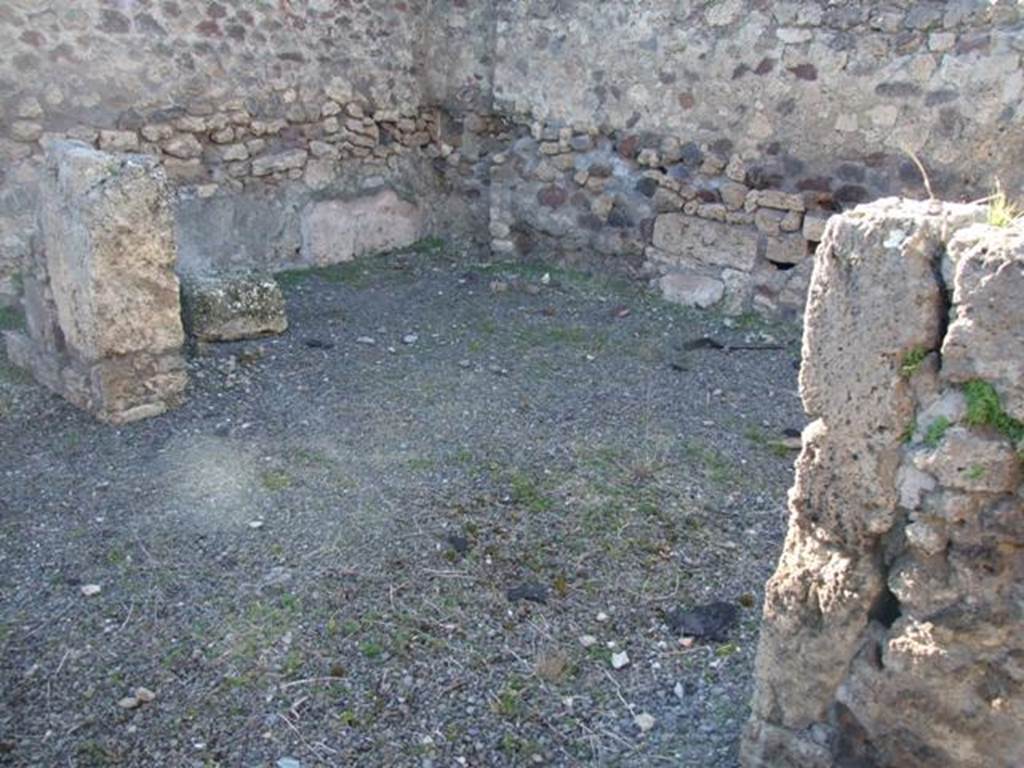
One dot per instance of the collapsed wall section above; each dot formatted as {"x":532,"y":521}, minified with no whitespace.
{"x":892,"y":631}
{"x":103,"y":318}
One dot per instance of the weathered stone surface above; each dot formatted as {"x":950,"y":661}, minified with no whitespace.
{"x":986,"y":333}
{"x":292,"y":159}
{"x":230,"y":307}
{"x":969,"y":461}
{"x":696,"y":240}
{"x":341,"y":230}
{"x":691,"y":289}
{"x":814,"y":226}
{"x":786,"y":249}
{"x":107,"y":322}
{"x":891,"y":633}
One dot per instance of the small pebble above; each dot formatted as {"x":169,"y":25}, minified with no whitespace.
{"x":255,"y":524}
{"x":89,"y":590}
{"x":644,"y":721}
{"x":368,"y":340}
{"x":410,"y":338}
{"x":588,"y":640}
{"x":620,"y":660}
{"x":144,"y":695}
{"x":288,"y":762}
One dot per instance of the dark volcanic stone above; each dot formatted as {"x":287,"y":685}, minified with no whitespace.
{"x":528,"y":590}
{"x":705,"y":622}
{"x":647,"y":187}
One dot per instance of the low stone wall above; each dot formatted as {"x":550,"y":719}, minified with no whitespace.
{"x":698,"y":222}
{"x":892,"y":630}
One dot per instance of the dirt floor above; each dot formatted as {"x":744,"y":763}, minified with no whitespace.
{"x":419,"y":529}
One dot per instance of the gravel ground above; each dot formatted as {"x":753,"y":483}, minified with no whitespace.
{"x":310,"y":563}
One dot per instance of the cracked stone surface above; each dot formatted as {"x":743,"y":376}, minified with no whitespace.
{"x":892,"y":632}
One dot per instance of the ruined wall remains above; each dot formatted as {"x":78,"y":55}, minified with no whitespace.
{"x":706,"y":141}
{"x":893,"y":632}
{"x":257,"y":111}
{"x":103,"y":318}
{"x":698,"y":144}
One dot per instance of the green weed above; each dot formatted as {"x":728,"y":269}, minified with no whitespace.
{"x":912,"y":362}
{"x":985,"y":410}
{"x":936,"y":431}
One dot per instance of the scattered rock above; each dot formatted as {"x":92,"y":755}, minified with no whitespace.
{"x":318,"y":344}
{"x":230,"y":307}
{"x":367,"y":340}
{"x":144,"y":695}
{"x":644,"y":721}
{"x":588,"y":641}
{"x":706,"y":622}
{"x":129,"y":702}
{"x":410,"y":338}
{"x":89,"y":590}
{"x":530,"y":590}
{"x":458,"y":543}
{"x":620,"y":660}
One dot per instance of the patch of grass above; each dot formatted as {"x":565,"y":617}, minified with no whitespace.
{"x":976,"y":472}
{"x":426,"y":246}
{"x":985,"y":410}
{"x":516,"y":745}
{"x":1002,"y":212}
{"x":275,"y":480}
{"x":371,"y":649}
{"x":353,"y":273}
{"x":422,"y":463}
{"x":912,"y":362}
{"x":726,"y":650}
{"x":509,"y":702}
{"x":116,"y":556}
{"x":936,"y":431}
{"x":526,"y":492}
{"x":348,"y":718}
{"x":11,"y":319}
{"x":719,"y":469}
{"x":907,"y":435}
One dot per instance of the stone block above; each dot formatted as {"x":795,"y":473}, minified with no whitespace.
{"x":231,"y":307}
{"x":899,"y":578}
{"x":691,"y":289}
{"x":341,"y":230}
{"x":985,"y":339}
{"x":105,"y":329}
{"x":785,"y":249}
{"x":690,"y":240}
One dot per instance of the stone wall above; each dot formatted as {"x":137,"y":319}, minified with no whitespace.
{"x":640,"y":110}
{"x":257,"y":111}
{"x":564,"y":127}
{"x":893,"y":631}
